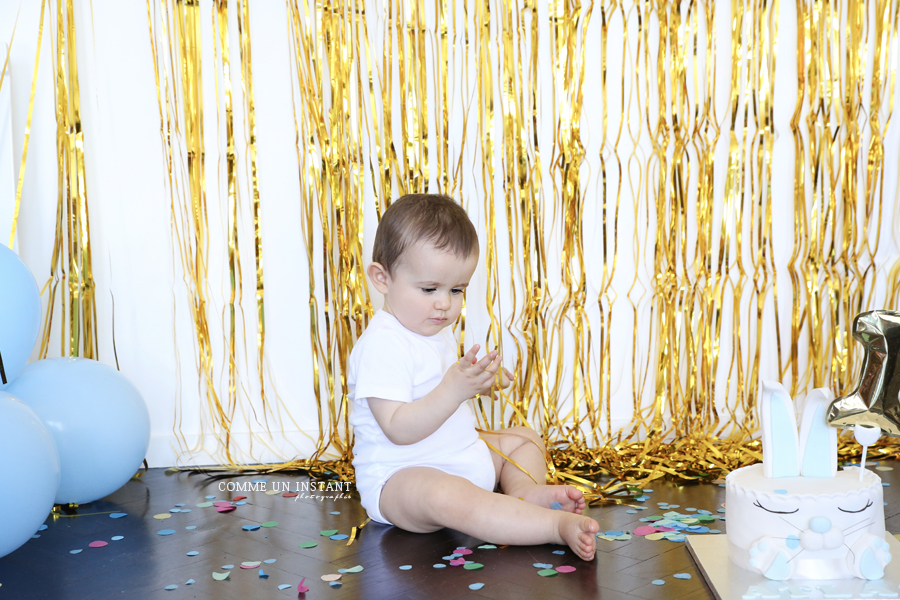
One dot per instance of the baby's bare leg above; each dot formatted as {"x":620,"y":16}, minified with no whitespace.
{"x":422,"y":500}
{"x":525,"y":447}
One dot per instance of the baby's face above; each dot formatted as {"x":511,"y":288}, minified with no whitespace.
{"x":425,"y":292}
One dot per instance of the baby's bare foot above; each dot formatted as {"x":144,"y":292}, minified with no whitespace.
{"x":580,"y":534}
{"x":564,"y":497}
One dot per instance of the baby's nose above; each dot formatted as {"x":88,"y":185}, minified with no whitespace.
{"x":442,"y":301}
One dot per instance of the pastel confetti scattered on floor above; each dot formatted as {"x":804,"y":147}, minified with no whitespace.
{"x":288,"y":494}
{"x":263,"y":575}
{"x":269,"y":561}
{"x":193,"y":553}
{"x":355,"y":569}
{"x":221,"y":576}
{"x":559,"y":552}
{"x":165,"y":532}
{"x":565,"y":569}
{"x":436,"y":566}
{"x":189,"y":582}
{"x":340,"y":536}
{"x":270,"y":524}
{"x":98,"y":544}
{"x":171,"y":587}
{"x":456,"y":562}
{"x":210,"y":497}
{"x":223,"y":509}
{"x":335,"y":512}
{"x":300,"y":587}
{"x":405,"y":567}
{"x":462,"y":551}
{"x":250,"y":565}
{"x":285,"y":586}
{"x":328,"y":532}
{"x":191,"y":527}
{"x":308,"y":545}
{"x":118,"y":515}
{"x":331,"y":577}
{"x":542,"y":566}
{"x":75,"y":551}
{"x":476,"y":586}
{"x":547,"y":573}
{"x":116,"y":538}
{"x":682,"y":575}
{"x":162,"y":516}
{"x":227,"y":567}
{"x":473,"y":566}
{"x":487,"y":547}
{"x":272,"y":492}
{"x":335,"y":584}
{"x":658,"y":582}
{"x":250,"y":527}
{"x":204,"y":505}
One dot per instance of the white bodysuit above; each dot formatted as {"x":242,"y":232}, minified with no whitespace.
{"x":393,"y":363}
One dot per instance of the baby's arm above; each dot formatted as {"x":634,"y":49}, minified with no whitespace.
{"x":410,"y":422}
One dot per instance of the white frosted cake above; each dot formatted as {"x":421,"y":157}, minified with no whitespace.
{"x":795,"y":516}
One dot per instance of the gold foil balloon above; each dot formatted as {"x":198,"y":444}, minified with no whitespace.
{"x":875,"y":400}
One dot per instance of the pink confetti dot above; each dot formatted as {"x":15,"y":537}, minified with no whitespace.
{"x":565,"y":569}
{"x":644,"y":530}
{"x":98,"y":544}
{"x":458,"y":561}
{"x":463,"y":551}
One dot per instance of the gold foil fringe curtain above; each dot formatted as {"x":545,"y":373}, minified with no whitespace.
{"x":631,"y":277}
{"x":71,"y":262}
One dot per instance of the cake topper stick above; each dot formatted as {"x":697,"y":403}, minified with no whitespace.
{"x":876,"y":400}
{"x":866,"y":436}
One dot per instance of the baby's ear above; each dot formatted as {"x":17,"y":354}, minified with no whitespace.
{"x":379,"y":276}
{"x":781,"y":450}
{"x":818,"y":441}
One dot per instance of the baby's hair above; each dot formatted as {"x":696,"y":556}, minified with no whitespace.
{"x":416,"y":217}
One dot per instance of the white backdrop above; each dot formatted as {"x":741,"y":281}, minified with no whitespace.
{"x":130,"y":210}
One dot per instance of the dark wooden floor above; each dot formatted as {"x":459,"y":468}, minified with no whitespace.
{"x":143,"y":563}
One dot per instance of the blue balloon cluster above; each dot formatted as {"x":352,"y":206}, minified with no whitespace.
{"x":72,"y":430}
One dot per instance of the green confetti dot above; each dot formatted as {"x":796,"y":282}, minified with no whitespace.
{"x":328,"y":532}
{"x":547,"y":573}
{"x":308,"y":545}
{"x":473,"y":566}
{"x":270,"y":524}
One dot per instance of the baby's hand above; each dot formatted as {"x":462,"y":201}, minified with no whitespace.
{"x":502,"y":380}
{"x":470,"y":376}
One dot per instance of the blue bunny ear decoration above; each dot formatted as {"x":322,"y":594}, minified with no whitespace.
{"x":781,"y":447}
{"x":817,"y":440}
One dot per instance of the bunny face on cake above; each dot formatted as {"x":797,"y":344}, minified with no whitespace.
{"x":796,"y":516}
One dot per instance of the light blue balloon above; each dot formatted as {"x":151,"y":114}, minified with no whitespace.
{"x":97,"y":417}
{"x":29,"y":473}
{"x":20,"y":314}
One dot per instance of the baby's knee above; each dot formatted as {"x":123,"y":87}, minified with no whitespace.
{"x":530,"y":435}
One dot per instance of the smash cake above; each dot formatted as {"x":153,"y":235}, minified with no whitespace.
{"x":796,"y":516}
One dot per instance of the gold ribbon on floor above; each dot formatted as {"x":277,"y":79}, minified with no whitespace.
{"x":629,"y":277}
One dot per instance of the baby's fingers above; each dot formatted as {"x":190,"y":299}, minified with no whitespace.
{"x":471,"y":355}
{"x":485,"y":362}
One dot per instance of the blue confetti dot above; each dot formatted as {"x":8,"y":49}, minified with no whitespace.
{"x":658,"y":582}
{"x":75,"y":551}
{"x":171,"y":587}
{"x":440,"y":566}
{"x":240,"y":503}
{"x":335,"y":512}
{"x":180,"y":505}
{"x":674,"y":506}
{"x":631,"y":512}
{"x":885,"y":484}
{"x":270,"y":561}
{"x":476,"y":586}
{"x":703,"y":512}
{"x":556,"y":506}
{"x":42,"y":528}
{"x":721,"y":485}
{"x":335,"y":584}
{"x":118,"y":515}
{"x":165,"y":532}
{"x":250,"y":527}
{"x":614,"y":532}
{"x":714,"y":531}
{"x":648,"y":491}
{"x":210,"y":497}
{"x":340,"y":536}
{"x":342,"y":570}
{"x":193,"y":553}
{"x":227,"y":567}
{"x":405,"y":567}
{"x":174,"y":510}
{"x":35,"y":536}
{"x":259,"y":481}
{"x":191,"y":527}
{"x":116,"y":538}
{"x":691,"y":509}
{"x":559,"y":552}
{"x":782,"y":492}
{"x":682,"y":576}
{"x":185,"y":510}
{"x":189,"y":582}
{"x":720,"y":510}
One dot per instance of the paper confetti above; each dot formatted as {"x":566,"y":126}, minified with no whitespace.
{"x":559,"y":552}
{"x":236,"y":498}
{"x":476,"y":586}
{"x":180,"y":504}
{"x":331,"y":577}
{"x":171,"y":587}
{"x":556,"y":506}
{"x":221,"y":576}
{"x":335,"y":584}
{"x":227,"y":567}
{"x":340,"y":536}
{"x":263,"y":575}
{"x":308,"y":545}
{"x":405,"y":567}
{"x":270,"y":524}
{"x":224,"y":509}
{"x":285,"y":586}
{"x":335,"y":512}
{"x":165,"y":532}
{"x":682,"y":576}
{"x":328,"y":532}
{"x":272,"y":492}
{"x":658,"y":582}
{"x":542,"y":566}
{"x":116,"y":538}
{"x":98,"y":544}
{"x":210,"y":497}
{"x":288,"y":494}
{"x":457,"y":562}
{"x":189,"y":582}
{"x":462,"y":551}
{"x":75,"y":551}
{"x":355,"y":569}
{"x":191,"y":527}
{"x":118,"y":515}
{"x":487,"y":547}
{"x":547,"y":573}
{"x":250,"y":527}
{"x":473,"y":566}
{"x":162,"y":516}
{"x":436,"y":566}
{"x":204,"y":505}
{"x":250,"y":565}
{"x":565,"y":569}
{"x":269,"y":561}
{"x":193,"y":553}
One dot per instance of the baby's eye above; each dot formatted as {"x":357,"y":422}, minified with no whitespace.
{"x":456,"y":291}
{"x":427,"y":290}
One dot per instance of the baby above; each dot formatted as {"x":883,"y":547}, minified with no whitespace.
{"x":420,"y":464}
